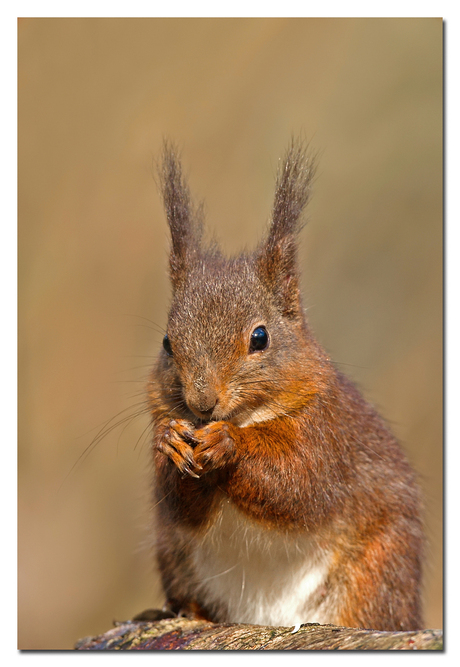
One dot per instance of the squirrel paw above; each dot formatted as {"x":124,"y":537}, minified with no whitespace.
{"x":216,"y":446}
{"x":176,"y":443}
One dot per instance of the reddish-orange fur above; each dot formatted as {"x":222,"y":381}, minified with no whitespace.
{"x":320,"y":461}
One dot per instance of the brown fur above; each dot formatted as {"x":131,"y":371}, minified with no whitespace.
{"x":324,"y":463}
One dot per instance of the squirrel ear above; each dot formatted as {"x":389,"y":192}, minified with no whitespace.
{"x":185,"y":221}
{"x":277,"y":256}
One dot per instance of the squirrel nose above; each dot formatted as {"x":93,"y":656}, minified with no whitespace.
{"x":201,"y":392}
{"x":203,"y":406}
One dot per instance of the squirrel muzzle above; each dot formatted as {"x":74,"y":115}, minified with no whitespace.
{"x":201,"y":394}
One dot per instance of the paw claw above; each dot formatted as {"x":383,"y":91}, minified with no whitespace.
{"x":187,"y":471}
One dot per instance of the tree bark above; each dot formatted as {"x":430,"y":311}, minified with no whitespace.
{"x":192,"y":635}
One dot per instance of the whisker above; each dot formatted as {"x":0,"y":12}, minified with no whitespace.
{"x":144,"y":380}
{"x":135,"y":368}
{"x":243,"y":583}
{"x":141,"y":317}
{"x":128,"y":423}
{"x":141,"y":435}
{"x":220,"y":574}
{"x":103,"y":432}
{"x":162,"y":499}
{"x":140,"y":356}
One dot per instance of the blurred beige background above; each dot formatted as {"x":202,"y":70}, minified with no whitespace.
{"x":96,"y":96}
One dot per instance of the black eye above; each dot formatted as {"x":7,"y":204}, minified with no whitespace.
{"x":167,"y":346}
{"x":259,"y":339}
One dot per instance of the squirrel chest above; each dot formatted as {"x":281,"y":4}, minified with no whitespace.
{"x":264,"y":576}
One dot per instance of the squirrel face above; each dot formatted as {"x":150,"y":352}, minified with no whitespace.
{"x":227,"y":341}
{"x":236,"y":327}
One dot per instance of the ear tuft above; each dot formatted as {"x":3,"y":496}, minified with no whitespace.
{"x":277,"y":256}
{"x":185,"y":221}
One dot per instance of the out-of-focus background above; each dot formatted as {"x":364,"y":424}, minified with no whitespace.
{"x":96,"y":98}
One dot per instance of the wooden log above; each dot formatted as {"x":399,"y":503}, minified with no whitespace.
{"x":192,"y":635}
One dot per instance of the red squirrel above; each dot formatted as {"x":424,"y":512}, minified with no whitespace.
{"x":281,"y":496}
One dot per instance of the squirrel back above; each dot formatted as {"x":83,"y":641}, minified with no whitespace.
{"x":281,"y":495}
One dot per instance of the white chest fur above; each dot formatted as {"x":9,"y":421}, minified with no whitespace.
{"x":264,"y":576}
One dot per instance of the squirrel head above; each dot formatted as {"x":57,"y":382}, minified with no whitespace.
{"x":237,"y":342}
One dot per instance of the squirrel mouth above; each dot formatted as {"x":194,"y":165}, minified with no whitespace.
{"x":216,"y":414}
